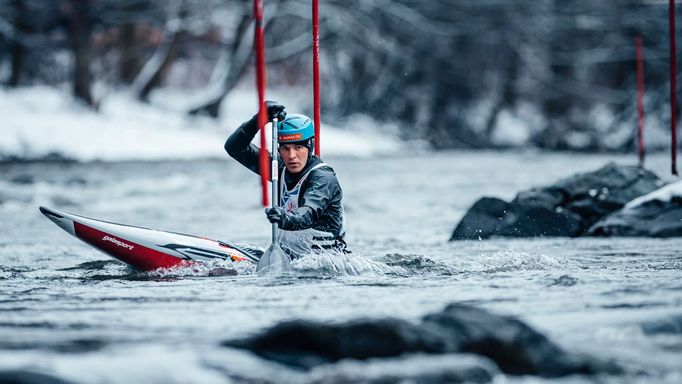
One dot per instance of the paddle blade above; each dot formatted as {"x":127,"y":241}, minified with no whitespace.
{"x":274,"y":261}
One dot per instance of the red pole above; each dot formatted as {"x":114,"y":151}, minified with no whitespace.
{"x":673,"y":86}
{"x":316,"y":76}
{"x":259,"y":46}
{"x":640,"y":99}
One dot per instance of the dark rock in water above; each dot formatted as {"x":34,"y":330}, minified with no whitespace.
{"x":307,"y":344}
{"x":669,"y":326}
{"x":566,"y":208}
{"x":654,"y":218}
{"x":512,"y":345}
{"x":17,"y":376}
{"x":531,"y":221}
{"x":482,"y":220}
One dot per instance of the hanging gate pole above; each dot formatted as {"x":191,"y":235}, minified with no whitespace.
{"x":316,"y":76}
{"x":259,"y":46}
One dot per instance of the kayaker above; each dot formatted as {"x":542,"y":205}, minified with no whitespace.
{"x":310,"y":211}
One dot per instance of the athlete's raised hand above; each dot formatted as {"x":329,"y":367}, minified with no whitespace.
{"x":275,"y":110}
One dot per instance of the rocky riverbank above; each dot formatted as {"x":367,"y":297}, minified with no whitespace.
{"x":599,"y":203}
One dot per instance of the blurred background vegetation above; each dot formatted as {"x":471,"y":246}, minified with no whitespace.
{"x":553,"y":74}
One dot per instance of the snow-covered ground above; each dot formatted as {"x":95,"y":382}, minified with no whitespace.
{"x":39,"y":121}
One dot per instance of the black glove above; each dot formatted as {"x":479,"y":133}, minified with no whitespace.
{"x":275,"y":110}
{"x":276,"y":215}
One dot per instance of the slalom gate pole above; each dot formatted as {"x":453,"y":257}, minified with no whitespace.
{"x":259,"y":46}
{"x":316,"y":75}
{"x":640,"y":99}
{"x":673,"y":86}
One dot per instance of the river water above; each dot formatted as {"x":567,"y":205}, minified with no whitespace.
{"x":72,"y":312}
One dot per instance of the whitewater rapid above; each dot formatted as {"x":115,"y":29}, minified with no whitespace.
{"x":69,"y":311}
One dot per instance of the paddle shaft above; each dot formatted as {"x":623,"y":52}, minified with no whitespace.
{"x":274,"y":172}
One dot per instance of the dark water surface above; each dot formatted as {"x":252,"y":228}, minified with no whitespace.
{"x":67,"y":310}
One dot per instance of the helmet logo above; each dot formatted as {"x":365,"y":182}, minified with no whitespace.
{"x":291,"y":137}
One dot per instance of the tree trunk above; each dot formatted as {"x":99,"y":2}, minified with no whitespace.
{"x":508,"y":95}
{"x":239,"y":59}
{"x":80,"y":30}
{"x":165,"y":65}
{"x":18,"y":49}
{"x":155,"y":70}
{"x":130,"y":58}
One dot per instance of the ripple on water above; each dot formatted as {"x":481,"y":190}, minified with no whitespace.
{"x":564,"y":281}
{"x":91,"y":265}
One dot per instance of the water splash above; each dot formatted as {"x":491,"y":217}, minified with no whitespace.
{"x":203,"y":269}
{"x":509,"y":261}
{"x":342,"y":264}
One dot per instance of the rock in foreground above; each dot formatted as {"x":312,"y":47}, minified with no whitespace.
{"x":511,"y":344}
{"x":566,"y":208}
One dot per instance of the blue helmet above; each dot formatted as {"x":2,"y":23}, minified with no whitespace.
{"x":296,"y":128}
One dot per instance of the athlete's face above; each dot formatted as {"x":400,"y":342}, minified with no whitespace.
{"x":295,"y":156}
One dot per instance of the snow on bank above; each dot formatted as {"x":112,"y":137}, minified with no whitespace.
{"x":39,"y":121}
{"x":663,"y":194}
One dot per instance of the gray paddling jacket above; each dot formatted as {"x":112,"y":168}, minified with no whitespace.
{"x":319,"y":200}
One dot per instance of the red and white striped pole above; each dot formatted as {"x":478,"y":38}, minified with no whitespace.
{"x":673,"y":85}
{"x":316,"y":76}
{"x":640,"y":99}
{"x":259,"y":46}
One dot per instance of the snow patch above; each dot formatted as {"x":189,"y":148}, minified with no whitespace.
{"x":510,"y":130}
{"x":39,"y":121}
{"x":664,"y":194}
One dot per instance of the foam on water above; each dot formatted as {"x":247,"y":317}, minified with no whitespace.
{"x":510,"y":261}
{"x":339,"y":264}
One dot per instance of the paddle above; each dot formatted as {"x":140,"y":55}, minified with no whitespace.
{"x":274,"y":260}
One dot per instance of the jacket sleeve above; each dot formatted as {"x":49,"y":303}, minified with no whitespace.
{"x":301,"y":218}
{"x":239,"y":146}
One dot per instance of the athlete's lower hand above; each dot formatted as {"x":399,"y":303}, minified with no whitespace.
{"x":275,"y":215}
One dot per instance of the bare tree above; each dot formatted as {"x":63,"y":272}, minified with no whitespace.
{"x":80,"y":25}
{"x":18,"y":48}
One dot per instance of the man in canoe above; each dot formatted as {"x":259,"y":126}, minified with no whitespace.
{"x":310,"y":211}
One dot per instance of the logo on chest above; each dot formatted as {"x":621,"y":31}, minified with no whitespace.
{"x":290,"y":200}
